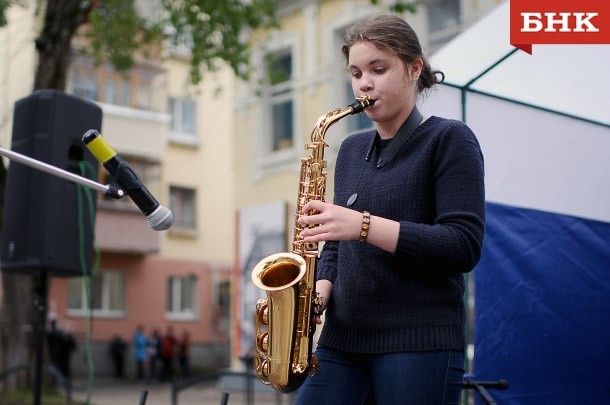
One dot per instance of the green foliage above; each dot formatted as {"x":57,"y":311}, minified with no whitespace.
{"x":217,"y":30}
{"x":116,"y":33}
{"x":213,"y":30}
{"x":277,"y":72}
{"x":401,"y":6}
{"x":4,"y":5}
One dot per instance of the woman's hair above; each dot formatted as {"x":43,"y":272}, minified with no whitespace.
{"x":391,"y":33}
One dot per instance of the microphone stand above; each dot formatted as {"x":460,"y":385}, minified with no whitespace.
{"x":41,"y":282}
{"x":107,"y":190}
{"x":481,"y":387}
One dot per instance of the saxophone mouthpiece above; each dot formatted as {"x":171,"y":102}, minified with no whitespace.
{"x":361,"y":104}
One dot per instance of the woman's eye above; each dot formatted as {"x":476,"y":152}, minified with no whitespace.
{"x":356,"y":75}
{"x":379,"y":70}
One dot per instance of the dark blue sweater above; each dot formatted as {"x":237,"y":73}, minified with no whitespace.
{"x":411,"y":299}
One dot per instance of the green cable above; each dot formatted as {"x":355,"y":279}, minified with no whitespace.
{"x":84,"y":165}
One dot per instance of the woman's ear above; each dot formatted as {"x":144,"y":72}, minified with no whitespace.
{"x":415,"y":68}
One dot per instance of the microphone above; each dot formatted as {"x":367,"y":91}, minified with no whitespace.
{"x":159,"y":218}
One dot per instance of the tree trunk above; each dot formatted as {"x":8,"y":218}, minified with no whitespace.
{"x":17,"y":315}
{"x":62,"y":19}
{"x":17,"y":327}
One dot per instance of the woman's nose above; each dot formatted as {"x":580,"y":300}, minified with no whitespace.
{"x":366,"y":84}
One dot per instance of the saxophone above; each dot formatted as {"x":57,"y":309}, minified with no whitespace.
{"x":285,"y":326}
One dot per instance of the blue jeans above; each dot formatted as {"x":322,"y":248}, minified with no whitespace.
{"x":410,"y":378}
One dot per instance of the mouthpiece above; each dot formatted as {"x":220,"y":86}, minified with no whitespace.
{"x":361,"y":104}
{"x":160,"y":219}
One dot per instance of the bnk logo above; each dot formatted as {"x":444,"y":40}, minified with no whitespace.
{"x":559,"y":22}
{"x":563,"y":22}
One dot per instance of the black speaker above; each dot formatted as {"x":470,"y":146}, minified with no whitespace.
{"x":49,"y":221}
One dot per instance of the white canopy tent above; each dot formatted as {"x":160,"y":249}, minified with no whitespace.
{"x":543,"y":120}
{"x":542,"y":288}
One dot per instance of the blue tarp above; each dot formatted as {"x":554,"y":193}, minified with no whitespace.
{"x":542,"y":322}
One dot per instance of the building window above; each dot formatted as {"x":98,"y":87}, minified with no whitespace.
{"x":444,"y":19}
{"x":84,"y":83}
{"x":143,"y":100}
{"x":124,"y":93}
{"x":104,"y":293}
{"x":109,"y":88}
{"x":104,"y":84}
{"x":279,"y":70}
{"x":182,"y":205}
{"x":182,"y":297}
{"x":184,"y":119}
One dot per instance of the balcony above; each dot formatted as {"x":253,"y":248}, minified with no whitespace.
{"x":122,"y":228}
{"x":135,"y":132}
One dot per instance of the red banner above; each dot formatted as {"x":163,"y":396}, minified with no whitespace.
{"x":559,"y":22}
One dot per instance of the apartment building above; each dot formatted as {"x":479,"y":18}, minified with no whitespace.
{"x":178,"y":139}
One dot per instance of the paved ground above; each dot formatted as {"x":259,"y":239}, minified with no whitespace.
{"x":109,"y":391}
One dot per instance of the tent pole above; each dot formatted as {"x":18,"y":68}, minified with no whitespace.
{"x":465,"y":88}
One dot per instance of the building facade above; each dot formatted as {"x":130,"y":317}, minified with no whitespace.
{"x":177,"y":137}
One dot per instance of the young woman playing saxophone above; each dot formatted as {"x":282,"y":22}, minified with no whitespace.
{"x":407,"y":222}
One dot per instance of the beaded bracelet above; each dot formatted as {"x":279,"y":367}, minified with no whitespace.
{"x":364,"y":230}
{"x":318,"y":302}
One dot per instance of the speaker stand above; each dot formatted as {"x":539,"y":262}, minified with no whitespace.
{"x":41,"y":279}
{"x":41,"y":287}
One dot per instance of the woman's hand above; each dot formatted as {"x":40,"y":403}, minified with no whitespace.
{"x":330,"y":222}
{"x":333,"y":222}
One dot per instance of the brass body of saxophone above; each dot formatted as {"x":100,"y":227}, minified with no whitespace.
{"x":285,"y":324}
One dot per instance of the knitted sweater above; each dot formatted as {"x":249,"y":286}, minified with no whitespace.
{"x":412,"y":299}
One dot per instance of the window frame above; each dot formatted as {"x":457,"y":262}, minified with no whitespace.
{"x":443,"y":33}
{"x":92,"y":82}
{"x":175,"y":295}
{"x":278,"y":94}
{"x":106,"y":295}
{"x":265,"y":161}
{"x":177,"y":111}
{"x":179,"y":221}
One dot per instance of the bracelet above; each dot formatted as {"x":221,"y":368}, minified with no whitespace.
{"x":318,"y":302}
{"x":364,"y":230}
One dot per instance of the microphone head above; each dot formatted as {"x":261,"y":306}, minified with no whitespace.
{"x":160,"y":219}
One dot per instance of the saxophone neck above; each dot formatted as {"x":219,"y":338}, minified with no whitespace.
{"x":359,"y":105}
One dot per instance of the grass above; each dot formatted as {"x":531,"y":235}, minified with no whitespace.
{"x":48,"y":396}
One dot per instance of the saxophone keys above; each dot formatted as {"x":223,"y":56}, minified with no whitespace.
{"x":262,"y":342}
{"x":262,"y":370}
{"x":262,"y":312}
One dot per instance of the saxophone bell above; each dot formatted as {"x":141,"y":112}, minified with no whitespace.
{"x":280,"y":275}
{"x":278,"y":271}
